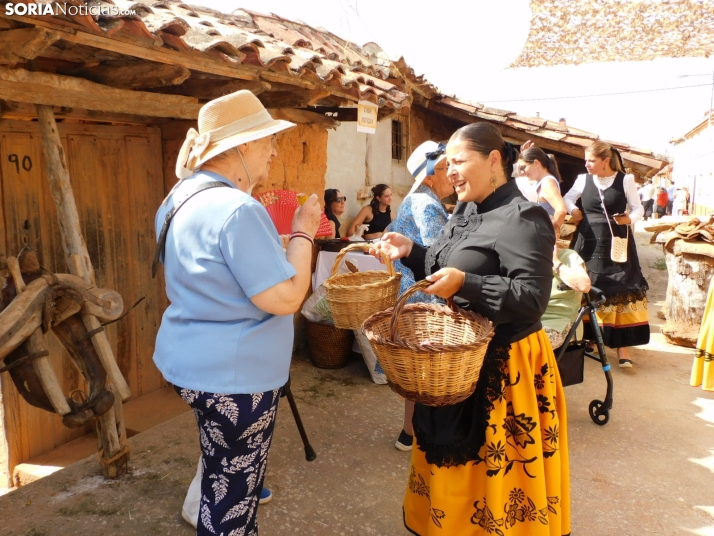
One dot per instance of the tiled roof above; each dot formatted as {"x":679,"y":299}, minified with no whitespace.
{"x":249,"y":39}
{"x":537,"y":126}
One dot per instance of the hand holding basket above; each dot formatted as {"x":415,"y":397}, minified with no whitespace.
{"x":353,"y":297}
{"x":431,"y":354}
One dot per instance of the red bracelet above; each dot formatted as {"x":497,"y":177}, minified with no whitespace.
{"x":302,"y":235}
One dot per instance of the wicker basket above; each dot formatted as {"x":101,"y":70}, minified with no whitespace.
{"x":330,"y":347}
{"x":354,"y":297}
{"x":432,"y":354}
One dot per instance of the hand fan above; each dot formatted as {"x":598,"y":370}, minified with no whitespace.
{"x":281,"y":206}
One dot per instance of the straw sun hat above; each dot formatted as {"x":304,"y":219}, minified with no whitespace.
{"x":225,"y":123}
{"x":422,"y":161}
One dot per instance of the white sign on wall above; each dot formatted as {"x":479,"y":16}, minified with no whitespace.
{"x":366,"y":117}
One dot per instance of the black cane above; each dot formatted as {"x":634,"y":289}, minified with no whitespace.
{"x":309,"y":451}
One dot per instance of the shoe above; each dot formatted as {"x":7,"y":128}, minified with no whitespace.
{"x":404,"y":442}
{"x":625,"y":363}
{"x":265,"y":496}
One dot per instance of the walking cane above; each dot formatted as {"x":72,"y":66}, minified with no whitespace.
{"x":309,"y":451}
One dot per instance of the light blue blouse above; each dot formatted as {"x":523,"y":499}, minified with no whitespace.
{"x":420,"y":217}
{"x":221,"y":249}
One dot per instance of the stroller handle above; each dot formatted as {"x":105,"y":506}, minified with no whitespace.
{"x":598,"y":294}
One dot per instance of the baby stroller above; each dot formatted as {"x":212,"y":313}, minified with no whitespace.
{"x":571,"y":356}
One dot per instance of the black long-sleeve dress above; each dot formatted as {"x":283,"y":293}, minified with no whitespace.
{"x":498,"y":459}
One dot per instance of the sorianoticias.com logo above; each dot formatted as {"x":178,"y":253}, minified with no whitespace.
{"x":94,"y":10}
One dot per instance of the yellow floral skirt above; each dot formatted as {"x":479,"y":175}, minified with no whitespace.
{"x":703,"y":366}
{"x":622,"y":325}
{"x":520,"y":486}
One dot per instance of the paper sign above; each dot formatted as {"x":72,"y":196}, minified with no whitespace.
{"x":366,"y":117}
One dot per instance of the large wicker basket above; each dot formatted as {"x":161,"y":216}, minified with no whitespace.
{"x":354,"y":297}
{"x":431,"y":354}
{"x":330,"y":347}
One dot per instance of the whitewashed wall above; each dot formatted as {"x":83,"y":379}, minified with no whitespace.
{"x":694,"y":168}
{"x":357,"y":161}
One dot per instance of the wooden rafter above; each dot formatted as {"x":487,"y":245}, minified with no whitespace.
{"x":22,"y":44}
{"x":131,"y":74}
{"x":57,"y":90}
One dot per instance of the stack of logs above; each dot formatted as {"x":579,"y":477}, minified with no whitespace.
{"x":689,"y":255}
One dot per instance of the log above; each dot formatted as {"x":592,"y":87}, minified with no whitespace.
{"x":22,"y":44}
{"x":689,"y":272}
{"x":129,"y":75}
{"x":114,"y":452}
{"x":57,"y":90}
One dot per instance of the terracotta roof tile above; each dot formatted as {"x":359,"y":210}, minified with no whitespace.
{"x":254,"y":39}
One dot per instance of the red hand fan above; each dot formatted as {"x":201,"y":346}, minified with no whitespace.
{"x":281,"y":206}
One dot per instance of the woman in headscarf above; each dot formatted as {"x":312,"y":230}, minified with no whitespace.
{"x":421,"y":217}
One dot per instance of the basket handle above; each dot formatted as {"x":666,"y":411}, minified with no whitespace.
{"x":402,"y":301}
{"x":361,"y":247}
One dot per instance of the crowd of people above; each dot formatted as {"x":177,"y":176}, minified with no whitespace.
{"x":670,"y":201}
{"x":496,"y":254}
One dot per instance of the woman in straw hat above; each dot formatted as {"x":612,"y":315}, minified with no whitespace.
{"x":225,"y":341}
{"x":420,"y":217}
{"x":498,"y":461}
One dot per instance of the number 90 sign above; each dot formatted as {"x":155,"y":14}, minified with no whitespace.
{"x":25,"y":163}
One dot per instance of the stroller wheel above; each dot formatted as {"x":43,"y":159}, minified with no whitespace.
{"x":598,"y":414}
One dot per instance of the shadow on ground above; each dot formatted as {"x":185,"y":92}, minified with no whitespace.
{"x":650,"y":470}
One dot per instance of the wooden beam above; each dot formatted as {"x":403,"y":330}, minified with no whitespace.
{"x":115,"y":452}
{"x":298,"y":98}
{"x":211,"y":88}
{"x":131,"y":75}
{"x":22,"y":111}
{"x":57,"y":90}
{"x":303,"y":116}
{"x":125,"y":46}
{"x":22,"y":44}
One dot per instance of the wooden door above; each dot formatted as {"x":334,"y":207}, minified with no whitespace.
{"x":117,"y":180}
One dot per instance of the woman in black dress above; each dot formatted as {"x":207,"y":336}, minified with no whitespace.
{"x":497,"y":462}
{"x":623,"y":316}
{"x":377,"y":214}
{"x":334,"y":208}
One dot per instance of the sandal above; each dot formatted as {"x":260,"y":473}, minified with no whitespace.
{"x":625,"y":363}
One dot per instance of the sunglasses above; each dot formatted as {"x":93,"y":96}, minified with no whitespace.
{"x":340,"y":199}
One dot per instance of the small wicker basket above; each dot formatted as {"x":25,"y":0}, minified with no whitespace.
{"x":329,"y":346}
{"x":355,"y":296}
{"x":431,"y":354}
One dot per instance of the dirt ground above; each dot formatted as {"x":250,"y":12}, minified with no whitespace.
{"x":648,"y":471}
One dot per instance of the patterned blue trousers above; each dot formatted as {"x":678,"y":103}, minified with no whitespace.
{"x":235,"y":433}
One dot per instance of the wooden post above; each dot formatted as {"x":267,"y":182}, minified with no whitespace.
{"x":115,"y":452}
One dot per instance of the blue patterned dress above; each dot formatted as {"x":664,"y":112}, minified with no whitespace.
{"x":421,"y":217}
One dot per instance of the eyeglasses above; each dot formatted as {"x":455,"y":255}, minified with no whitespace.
{"x":340,"y":199}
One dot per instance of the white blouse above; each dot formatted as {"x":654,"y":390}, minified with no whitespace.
{"x":634,"y":205}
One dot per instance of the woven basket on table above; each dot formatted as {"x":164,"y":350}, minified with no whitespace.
{"x":356,"y":296}
{"x":330,"y":347}
{"x":431,"y":354}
